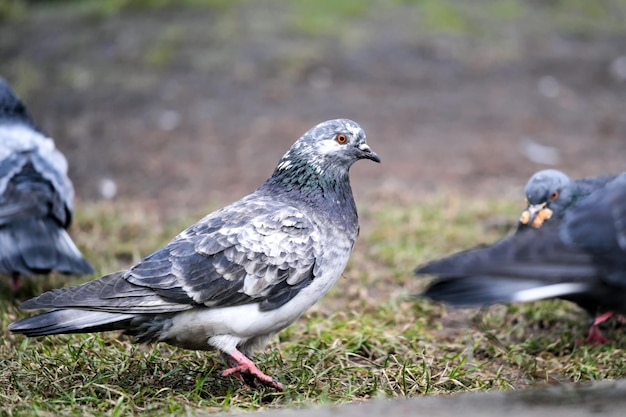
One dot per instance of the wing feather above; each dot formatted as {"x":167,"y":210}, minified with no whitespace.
{"x":237,"y":255}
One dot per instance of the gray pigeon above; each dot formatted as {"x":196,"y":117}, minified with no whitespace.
{"x":581,"y":258}
{"x":35,"y":198}
{"x":550,"y":193}
{"x":239,"y":275}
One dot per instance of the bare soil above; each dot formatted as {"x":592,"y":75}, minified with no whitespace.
{"x":182,"y":108}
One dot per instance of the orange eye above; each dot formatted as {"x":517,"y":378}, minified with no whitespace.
{"x":554,"y":195}
{"x":341,"y":138}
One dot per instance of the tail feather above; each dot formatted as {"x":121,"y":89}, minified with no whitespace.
{"x":69,"y":258}
{"x":110,"y":293}
{"x":517,"y":258}
{"x":530,"y":265}
{"x":70,"y":321}
{"x":475,"y":291}
{"x":35,"y":244}
{"x":10,"y":261}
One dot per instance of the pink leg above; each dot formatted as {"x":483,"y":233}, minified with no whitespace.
{"x":15,"y":281}
{"x":595,"y":335}
{"x":602,"y":318}
{"x":247,"y":367}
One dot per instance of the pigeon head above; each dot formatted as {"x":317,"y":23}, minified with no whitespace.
{"x":334,"y":144}
{"x":548,"y":189}
{"x":324,"y":153}
{"x":11,"y":108}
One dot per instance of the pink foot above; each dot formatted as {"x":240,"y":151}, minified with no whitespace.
{"x":603,"y":317}
{"x":595,"y":335}
{"x":15,"y":281}
{"x":247,"y":371}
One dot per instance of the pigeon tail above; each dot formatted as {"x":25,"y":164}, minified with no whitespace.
{"x":479,"y":290}
{"x":37,"y":246}
{"x":70,"y":321}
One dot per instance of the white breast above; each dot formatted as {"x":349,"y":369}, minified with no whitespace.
{"x":193,"y":328}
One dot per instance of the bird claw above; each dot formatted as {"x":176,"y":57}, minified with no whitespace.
{"x":247,"y":372}
{"x":602,"y":318}
{"x":253,"y":377}
{"x":595,"y":336}
{"x":15,"y":282}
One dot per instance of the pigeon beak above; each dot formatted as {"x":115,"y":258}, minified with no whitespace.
{"x":368,"y":153}
{"x":536,"y":214}
{"x":533,"y":209}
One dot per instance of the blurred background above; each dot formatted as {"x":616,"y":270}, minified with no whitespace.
{"x":180,"y":104}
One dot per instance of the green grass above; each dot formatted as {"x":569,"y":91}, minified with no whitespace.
{"x":363,"y":340}
{"x":479,"y":19}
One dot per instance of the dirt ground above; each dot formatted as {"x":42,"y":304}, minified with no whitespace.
{"x":184,"y":107}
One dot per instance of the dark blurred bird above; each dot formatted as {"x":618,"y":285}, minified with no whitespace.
{"x":241,"y":274}
{"x":580,"y":258}
{"x":549,"y":193}
{"x":35,"y":198}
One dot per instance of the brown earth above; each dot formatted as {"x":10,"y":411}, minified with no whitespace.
{"x":185,"y":107}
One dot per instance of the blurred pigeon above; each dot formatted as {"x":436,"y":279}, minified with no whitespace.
{"x":241,"y":274}
{"x":550,"y":193}
{"x":35,"y":198}
{"x":581,"y":258}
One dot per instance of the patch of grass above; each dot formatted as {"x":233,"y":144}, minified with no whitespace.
{"x":18,"y":9}
{"x":12,"y":10}
{"x":325,"y":17}
{"x":363,"y":340}
{"x":481,"y":17}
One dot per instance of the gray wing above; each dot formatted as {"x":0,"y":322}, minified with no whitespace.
{"x":22,"y":145}
{"x":598,"y":227}
{"x":254,"y":251}
{"x":27,"y":193}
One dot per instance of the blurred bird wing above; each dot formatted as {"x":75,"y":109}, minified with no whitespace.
{"x":20,"y":144}
{"x":598,"y":226}
{"x":531,"y":253}
{"x":9,"y":166}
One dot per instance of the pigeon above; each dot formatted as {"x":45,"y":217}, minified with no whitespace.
{"x":35,"y":198}
{"x":580,"y":258}
{"x":239,"y":275}
{"x":550,"y":192}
